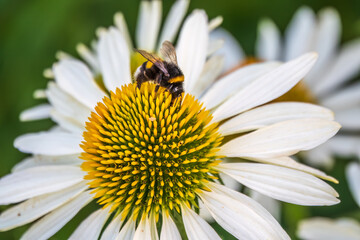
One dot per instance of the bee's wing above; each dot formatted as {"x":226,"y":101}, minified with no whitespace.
{"x":155,"y":60}
{"x":167,"y":50}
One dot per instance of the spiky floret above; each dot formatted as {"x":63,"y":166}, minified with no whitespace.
{"x":142,"y":153}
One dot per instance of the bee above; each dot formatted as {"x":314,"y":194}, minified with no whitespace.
{"x":165,"y":73}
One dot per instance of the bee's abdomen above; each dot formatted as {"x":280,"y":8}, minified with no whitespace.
{"x":177,"y":79}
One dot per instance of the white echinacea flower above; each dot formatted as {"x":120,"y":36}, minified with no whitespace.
{"x":345,"y":228}
{"x":327,"y":229}
{"x":320,"y":228}
{"x":149,"y":163}
{"x":327,"y":84}
{"x":353,"y":178}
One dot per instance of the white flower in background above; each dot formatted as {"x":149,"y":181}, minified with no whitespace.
{"x":319,"y":228}
{"x":328,"y":229}
{"x":353,"y":178}
{"x":143,"y":159}
{"x":327,"y":84}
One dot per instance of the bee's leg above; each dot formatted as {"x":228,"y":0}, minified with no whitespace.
{"x":157,"y":81}
{"x":138,"y":83}
{"x":176,"y":97}
{"x":157,"y":88}
{"x":158,"y":78}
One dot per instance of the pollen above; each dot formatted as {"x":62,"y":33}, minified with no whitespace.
{"x":142,"y":153}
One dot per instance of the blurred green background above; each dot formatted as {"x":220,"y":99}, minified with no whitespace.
{"x":32,"y":31}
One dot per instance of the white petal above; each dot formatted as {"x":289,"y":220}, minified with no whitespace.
{"x":120,"y":23}
{"x":346,"y":98}
{"x":299,"y":34}
{"x":57,"y":129}
{"x":39,"y":94}
{"x":346,"y":145}
{"x":143,"y":231}
{"x":271,"y":205}
{"x":341,"y":144}
{"x":24,"y":164}
{"x":32,"y":182}
{"x":173,"y":20}
{"x":153,"y":227}
{"x":281,"y":139}
{"x":114,"y":57}
{"x":38,"y":112}
{"x":60,"y":55}
{"x":329,"y":229}
{"x":282,"y":183}
{"x":169,"y":230}
{"x":229,"y":182}
{"x":192,"y":48}
{"x":48,"y":73}
{"x":113,"y":229}
{"x":353,"y":178}
{"x":76,"y":79}
{"x":42,"y":160}
{"x":238,"y":79}
{"x":99,"y":31}
{"x":196,"y":227}
{"x":49,"y":143}
{"x":231,"y":50}
{"x":240,"y":215}
{"x":36,"y":207}
{"x":215,"y":23}
{"x":291,"y":163}
{"x":214,"y":46}
{"x":326,"y":38}
{"x":268,"y":41}
{"x":210,"y":73}
{"x":53,"y":222}
{"x":148,"y":25}
{"x":90,"y":228}
{"x":204,"y":212}
{"x":88,"y":56}
{"x":345,"y":66}
{"x":127,"y":231}
{"x":68,"y":123}
{"x":349,"y":118}
{"x":66,"y":105}
{"x":320,"y":157}
{"x":267,"y":87}
{"x":273,"y":113}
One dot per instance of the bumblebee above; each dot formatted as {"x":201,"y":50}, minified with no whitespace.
{"x":165,"y":73}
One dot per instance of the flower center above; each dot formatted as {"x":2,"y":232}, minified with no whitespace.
{"x":142,"y":153}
